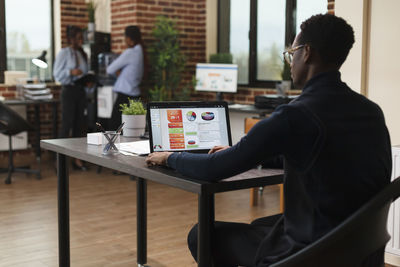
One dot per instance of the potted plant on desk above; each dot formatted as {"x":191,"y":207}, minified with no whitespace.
{"x":91,"y":9}
{"x":134,"y":116}
{"x":286,"y":84}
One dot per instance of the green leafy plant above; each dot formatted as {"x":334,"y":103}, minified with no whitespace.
{"x":168,"y":62}
{"x":134,"y":107}
{"x":91,"y":8}
{"x":286,"y":73}
{"x":158,"y":93}
{"x":221,"y":58}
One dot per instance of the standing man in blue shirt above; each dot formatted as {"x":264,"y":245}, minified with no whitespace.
{"x":336,"y":150}
{"x":129,"y":67}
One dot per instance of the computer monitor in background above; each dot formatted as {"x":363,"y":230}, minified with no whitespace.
{"x":219,"y":78}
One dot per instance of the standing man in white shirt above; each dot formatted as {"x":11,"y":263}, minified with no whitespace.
{"x":129,"y":68}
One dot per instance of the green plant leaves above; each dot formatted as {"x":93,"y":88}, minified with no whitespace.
{"x":91,"y":8}
{"x":134,"y":107}
{"x":167,"y":61}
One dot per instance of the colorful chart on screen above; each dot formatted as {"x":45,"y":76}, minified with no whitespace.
{"x":191,"y":116}
{"x":207,"y":116}
{"x":192,"y":128}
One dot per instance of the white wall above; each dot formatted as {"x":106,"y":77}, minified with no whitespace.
{"x":373,"y":63}
{"x":352,"y":68}
{"x":384,"y":60}
{"x":103,"y":16}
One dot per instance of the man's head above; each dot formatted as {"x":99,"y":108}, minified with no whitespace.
{"x":327,"y":40}
{"x":74,"y":36}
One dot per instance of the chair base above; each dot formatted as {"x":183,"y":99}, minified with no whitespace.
{"x":12,"y":170}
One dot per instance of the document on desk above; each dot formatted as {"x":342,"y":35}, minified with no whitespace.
{"x":140,"y":148}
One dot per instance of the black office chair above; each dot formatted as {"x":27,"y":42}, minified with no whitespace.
{"x":359,"y":241}
{"x":11,"y":123}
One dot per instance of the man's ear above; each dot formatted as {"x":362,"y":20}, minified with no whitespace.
{"x":308,"y":53}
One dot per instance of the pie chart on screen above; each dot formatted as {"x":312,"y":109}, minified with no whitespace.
{"x":191,"y":116}
{"x":207,"y":116}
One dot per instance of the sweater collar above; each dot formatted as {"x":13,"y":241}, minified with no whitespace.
{"x":324,"y":77}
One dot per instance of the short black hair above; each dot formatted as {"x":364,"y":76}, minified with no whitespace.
{"x":72,"y":31}
{"x":330,"y":35}
{"x":133,"y":32}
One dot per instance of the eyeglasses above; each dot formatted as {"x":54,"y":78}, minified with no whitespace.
{"x":288,"y":54}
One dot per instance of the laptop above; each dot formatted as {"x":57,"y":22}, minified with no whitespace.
{"x":188,"y":126}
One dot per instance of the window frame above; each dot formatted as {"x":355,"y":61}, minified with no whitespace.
{"x":3,"y":47}
{"x":223,"y":43}
{"x":3,"y":37}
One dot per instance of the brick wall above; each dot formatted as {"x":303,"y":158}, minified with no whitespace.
{"x":190,"y":16}
{"x":73,"y":12}
{"x":331,"y":6}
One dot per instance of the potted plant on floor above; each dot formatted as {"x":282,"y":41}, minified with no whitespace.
{"x":134,"y":117}
{"x":168,"y":63}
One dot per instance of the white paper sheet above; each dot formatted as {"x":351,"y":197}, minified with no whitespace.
{"x":138,"y":147}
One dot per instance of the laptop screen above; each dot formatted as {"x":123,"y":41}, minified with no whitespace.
{"x":188,"y":126}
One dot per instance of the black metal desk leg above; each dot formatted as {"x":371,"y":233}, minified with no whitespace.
{"x":55,"y":120}
{"x":37,"y":133}
{"x":63,"y":211}
{"x":141,"y":216}
{"x":206,"y":226}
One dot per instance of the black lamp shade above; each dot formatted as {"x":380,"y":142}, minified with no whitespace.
{"x":41,"y":61}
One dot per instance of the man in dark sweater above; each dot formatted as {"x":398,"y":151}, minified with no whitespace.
{"x":334,"y":143}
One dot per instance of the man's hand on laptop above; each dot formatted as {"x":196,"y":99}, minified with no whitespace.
{"x":217,"y":148}
{"x":157,"y":158}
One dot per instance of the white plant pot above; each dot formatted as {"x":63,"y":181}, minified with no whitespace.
{"x":134,"y":125}
{"x":283,"y":87}
{"x":91,"y":32}
{"x":91,"y":27}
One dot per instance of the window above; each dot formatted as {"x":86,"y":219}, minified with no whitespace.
{"x":256,"y":32}
{"x":239,"y":41}
{"x":26,"y":32}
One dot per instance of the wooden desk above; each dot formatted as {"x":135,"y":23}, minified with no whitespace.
{"x":77,"y":148}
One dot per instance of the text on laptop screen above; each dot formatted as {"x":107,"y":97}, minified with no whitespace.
{"x":188,"y":128}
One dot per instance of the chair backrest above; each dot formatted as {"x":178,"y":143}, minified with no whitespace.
{"x":359,"y":236}
{"x":12,"y":121}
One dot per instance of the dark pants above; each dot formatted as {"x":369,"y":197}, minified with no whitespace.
{"x":235,"y":244}
{"x":115,"y":120}
{"x":73,"y":102}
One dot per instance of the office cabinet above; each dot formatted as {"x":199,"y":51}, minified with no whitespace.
{"x":393,"y":246}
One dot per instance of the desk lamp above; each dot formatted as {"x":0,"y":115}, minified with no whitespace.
{"x":40,"y":62}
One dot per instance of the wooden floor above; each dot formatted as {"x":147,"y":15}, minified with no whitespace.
{"x":103,"y":221}
{"x":102,"y":215}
